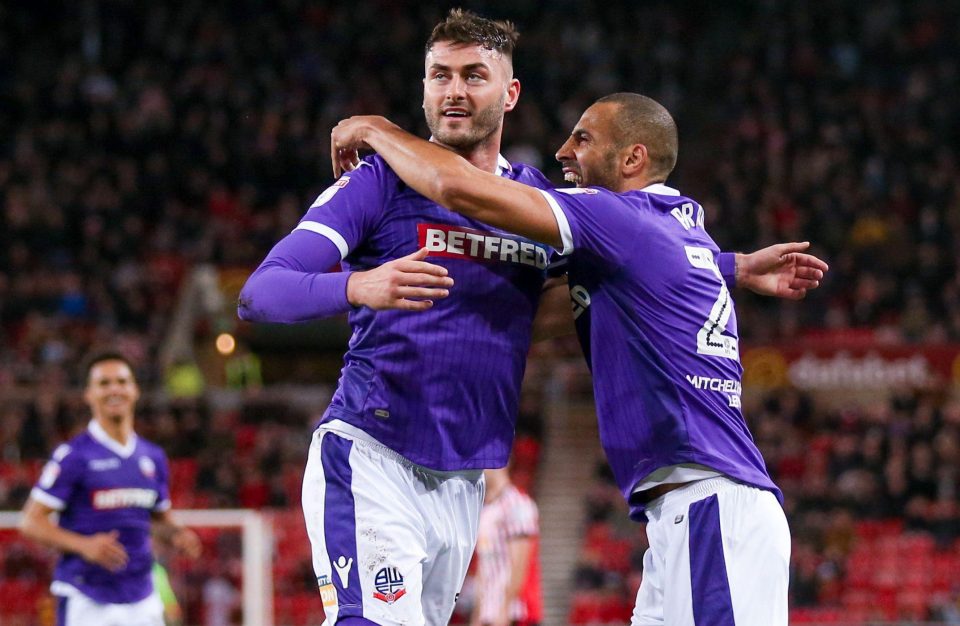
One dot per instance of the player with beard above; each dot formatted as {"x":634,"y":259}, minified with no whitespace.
{"x":392,"y":489}
{"x":658,"y":328}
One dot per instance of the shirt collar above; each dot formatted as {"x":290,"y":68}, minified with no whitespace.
{"x":101,"y":437}
{"x":661,"y":190}
{"x":503,"y":165}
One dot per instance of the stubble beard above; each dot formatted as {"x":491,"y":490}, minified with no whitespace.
{"x":482,"y":125}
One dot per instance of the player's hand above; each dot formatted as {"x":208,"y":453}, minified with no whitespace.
{"x":408,"y":284}
{"x":348,"y":138}
{"x":104,"y":550}
{"x":187,"y":542}
{"x":782,"y":270}
{"x":346,"y":141}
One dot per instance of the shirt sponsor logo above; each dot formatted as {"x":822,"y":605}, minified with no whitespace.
{"x":102,"y":465}
{"x":457,"y":242}
{"x":106,"y":499}
{"x":389,"y":585}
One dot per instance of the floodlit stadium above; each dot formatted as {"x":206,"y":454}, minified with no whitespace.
{"x":151,"y":157}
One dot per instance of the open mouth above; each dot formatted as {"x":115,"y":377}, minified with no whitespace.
{"x":572,"y":177}
{"x":456,"y":113}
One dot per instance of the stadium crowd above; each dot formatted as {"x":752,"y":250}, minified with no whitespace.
{"x":139,"y":141}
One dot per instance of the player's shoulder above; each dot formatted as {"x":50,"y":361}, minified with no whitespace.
{"x":77,"y":446}
{"x":371,"y":167}
{"x":529,"y":175}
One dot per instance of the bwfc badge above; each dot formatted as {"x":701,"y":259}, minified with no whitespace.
{"x":389,"y":585}
{"x":148,"y":467}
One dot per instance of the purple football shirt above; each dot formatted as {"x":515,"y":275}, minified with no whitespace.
{"x":439,"y":387}
{"x":98,"y":486}
{"x":656,"y":322}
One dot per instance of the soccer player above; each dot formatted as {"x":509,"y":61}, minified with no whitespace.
{"x":657,"y":326}
{"x":508,"y":572}
{"x":429,"y":390}
{"x":108,"y":486}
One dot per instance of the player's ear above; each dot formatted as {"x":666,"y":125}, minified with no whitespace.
{"x":635,"y":159}
{"x":513,"y":94}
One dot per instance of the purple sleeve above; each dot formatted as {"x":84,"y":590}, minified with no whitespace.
{"x":593,"y":220}
{"x":727,"y":262}
{"x":294,"y":284}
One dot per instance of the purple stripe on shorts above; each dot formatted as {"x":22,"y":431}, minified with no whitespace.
{"x":61,"y":611}
{"x":709,"y":587}
{"x":340,"y":524}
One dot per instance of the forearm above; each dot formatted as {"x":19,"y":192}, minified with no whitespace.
{"x":279,"y":294}
{"x":39,"y":528}
{"x":452,"y":181}
{"x":294,"y":284}
{"x":426,"y":167}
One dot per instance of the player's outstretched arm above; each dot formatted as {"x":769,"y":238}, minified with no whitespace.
{"x":782,"y":270}
{"x":102,"y":549}
{"x":446,"y":178}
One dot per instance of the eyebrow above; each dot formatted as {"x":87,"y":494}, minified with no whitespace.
{"x":470,"y":67}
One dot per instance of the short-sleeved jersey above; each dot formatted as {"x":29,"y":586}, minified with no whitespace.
{"x":657,"y":325}
{"x":439,"y":387}
{"x":98,"y":486}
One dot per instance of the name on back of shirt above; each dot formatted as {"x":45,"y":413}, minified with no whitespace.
{"x":689,"y":215}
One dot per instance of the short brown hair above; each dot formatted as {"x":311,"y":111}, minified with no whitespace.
{"x":640,"y":119}
{"x":465,"y":27}
{"x":99,"y":356}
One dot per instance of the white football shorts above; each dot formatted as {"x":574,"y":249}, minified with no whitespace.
{"x":391,"y":540}
{"x":76,"y":609}
{"x":719,"y":555}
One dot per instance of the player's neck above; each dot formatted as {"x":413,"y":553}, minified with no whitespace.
{"x":484,"y":155}
{"x":120,"y":429}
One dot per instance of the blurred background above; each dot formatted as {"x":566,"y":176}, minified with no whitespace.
{"x":151,"y":154}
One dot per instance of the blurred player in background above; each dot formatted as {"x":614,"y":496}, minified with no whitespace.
{"x":393,"y":486}
{"x":508,"y":571}
{"x":109,"y":487}
{"x":658,"y":329}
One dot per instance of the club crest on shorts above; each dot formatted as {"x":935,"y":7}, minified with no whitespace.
{"x":389,"y":585}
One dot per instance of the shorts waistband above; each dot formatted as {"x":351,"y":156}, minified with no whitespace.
{"x":351,"y":432}
{"x":688,"y":493}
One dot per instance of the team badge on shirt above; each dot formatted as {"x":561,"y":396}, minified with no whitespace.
{"x":148,"y":467}
{"x":389,"y":585}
